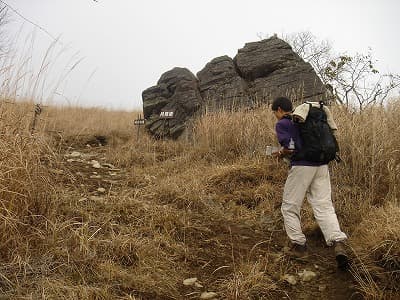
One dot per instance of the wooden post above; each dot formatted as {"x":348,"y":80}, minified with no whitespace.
{"x":138,"y":122}
{"x":36,"y":113}
{"x":138,"y":129}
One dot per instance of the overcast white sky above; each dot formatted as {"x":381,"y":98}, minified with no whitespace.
{"x":127,"y":44}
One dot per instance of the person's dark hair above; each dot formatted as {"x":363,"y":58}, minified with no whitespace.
{"x":284,"y":103}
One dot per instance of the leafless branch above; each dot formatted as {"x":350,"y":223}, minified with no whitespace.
{"x":353,"y":79}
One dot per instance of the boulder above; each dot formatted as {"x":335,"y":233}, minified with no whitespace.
{"x":260,"y":72}
{"x":260,"y":59}
{"x":273,"y":69}
{"x":175,"y":77}
{"x":176,"y":90}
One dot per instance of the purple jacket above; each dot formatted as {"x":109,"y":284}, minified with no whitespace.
{"x":286,"y":130}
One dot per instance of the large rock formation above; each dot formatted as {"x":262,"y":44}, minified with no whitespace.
{"x":176,"y":91}
{"x":259,"y":72}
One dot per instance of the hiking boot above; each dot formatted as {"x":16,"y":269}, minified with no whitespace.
{"x":297,"y":251}
{"x":341,"y":255}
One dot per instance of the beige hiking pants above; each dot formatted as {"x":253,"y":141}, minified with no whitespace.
{"x":315,"y":182}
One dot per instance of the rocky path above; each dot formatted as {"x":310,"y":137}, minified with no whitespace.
{"x":313,"y":277}
{"x":89,"y":169}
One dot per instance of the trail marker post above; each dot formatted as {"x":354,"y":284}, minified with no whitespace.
{"x":36,"y":113}
{"x":139,"y":122}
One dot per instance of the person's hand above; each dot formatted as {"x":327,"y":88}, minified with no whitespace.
{"x":282,"y":153}
{"x":276,"y":154}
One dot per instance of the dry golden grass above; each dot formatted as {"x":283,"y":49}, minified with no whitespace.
{"x":377,"y":243}
{"x":369,"y":143}
{"x":74,"y":121}
{"x":249,"y":281}
{"x":234,"y":134}
{"x":206,"y":208}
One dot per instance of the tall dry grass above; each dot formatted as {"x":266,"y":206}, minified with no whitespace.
{"x":47,"y":247}
{"x":175,"y":193}
{"x":366,"y":179}
{"x":377,"y":245}
{"x":370,"y":147}
{"x":27,"y":193}
{"x":233,"y":134}
{"x":77,"y":125}
{"x":369,"y":143}
{"x":42,"y":239}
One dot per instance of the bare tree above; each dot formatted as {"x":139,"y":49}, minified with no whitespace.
{"x":318,"y":53}
{"x":353,"y":80}
{"x":356,"y":80}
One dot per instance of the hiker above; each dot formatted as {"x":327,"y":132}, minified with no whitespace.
{"x":309,"y":178}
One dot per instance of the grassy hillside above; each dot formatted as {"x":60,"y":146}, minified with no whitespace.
{"x":151,"y":214}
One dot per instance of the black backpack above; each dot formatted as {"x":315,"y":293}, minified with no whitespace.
{"x":319,"y":143}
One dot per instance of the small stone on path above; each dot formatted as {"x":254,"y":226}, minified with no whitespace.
{"x":307,"y":275}
{"x":95,"y":198}
{"x":95,"y":164}
{"x":290,"y":279}
{"x":75,"y":154}
{"x":189,"y":281}
{"x":208,"y":295}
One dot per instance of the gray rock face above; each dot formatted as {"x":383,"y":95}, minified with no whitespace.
{"x":260,"y":72}
{"x":219,"y":83}
{"x":298,"y":82}
{"x":176,"y":90}
{"x":154,"y":99}
{"x":273,"y":69}
{"x":259,"y":59}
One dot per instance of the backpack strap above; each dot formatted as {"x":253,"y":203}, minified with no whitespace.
{"x":289,"y":117}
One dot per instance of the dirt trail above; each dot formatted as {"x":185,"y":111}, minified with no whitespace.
{"x":87,"y":168}
{"x":330,"y":283}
